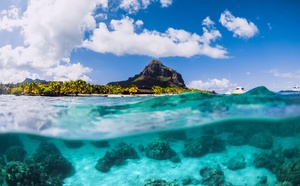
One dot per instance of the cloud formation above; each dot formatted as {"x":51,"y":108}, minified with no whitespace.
{"x":133,"y":6}
{"x":217,"y":85}
{"x":239,"y":26}
{"x":120,"y":38}
{"x":50,"y":31}
{"x":291,"y":75}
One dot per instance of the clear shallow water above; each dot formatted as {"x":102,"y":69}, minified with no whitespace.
{"x":187,"y":139}
{"x":101,"y":117}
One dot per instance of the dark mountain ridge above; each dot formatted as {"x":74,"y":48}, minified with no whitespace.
{"x":29,"y":80}
{"x":154,"y":74}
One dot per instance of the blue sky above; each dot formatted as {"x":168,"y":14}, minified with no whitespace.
{"x":215,"y":45}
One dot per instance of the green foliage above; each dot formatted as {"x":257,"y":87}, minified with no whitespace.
{"x":17,"y":90}
{"x":163,"y":78}
{"x":55,"y":88}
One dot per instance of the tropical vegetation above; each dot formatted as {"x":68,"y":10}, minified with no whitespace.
{"x":79,"y":87}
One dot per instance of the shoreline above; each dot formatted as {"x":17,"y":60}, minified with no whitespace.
{"x":97,"y":95}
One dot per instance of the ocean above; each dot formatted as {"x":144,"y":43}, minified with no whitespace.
{"x":185,"y":139}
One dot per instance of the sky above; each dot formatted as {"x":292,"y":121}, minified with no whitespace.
{"x":214,"y":44}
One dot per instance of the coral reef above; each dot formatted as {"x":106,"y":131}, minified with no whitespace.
{"x":212,"y":176}
{"x":261,"y":140}
{"x":159,"y":150}
{"x":15,"y":153}
{"x":186,"y":180}
{"x":289,"y":171}
{"x":189,"y":180}
{"x":236,"y":162}
{"x":291,"y":152}
{"x":17,"y":173}
{"x":159,"y":182}
{"x":203,"y":145}
{"x":44,"y":150}
{"x":172,"y":136}
{"x":45,"y":167}
{"x":100,"y":144}
{"x":270,"y":160}
{"x":73,"y":144}
{"x":2,"y":161}
{"x":237,"y":139}
{"x":286,"y":170}
{"x":117,"y":157}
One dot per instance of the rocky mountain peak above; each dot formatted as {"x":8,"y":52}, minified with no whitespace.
{"x":155,"y":73}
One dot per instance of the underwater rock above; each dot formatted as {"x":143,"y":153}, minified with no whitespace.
{"x":100,"y":144}
{"x":46,"y":166}
{"x":73,"y":144}
{"x":212,"y":176}
{"x":117,"y":157}
{"x":8,"y":140}
{"x":189,"y":180}
{"x":270,"y":160}
{"x":172,"y":136}
{"x":15,"y":153}
{"x":44,"y":150}
{"x":186,"y":180}
{"x":237,"y":139}
{"x":262,"y":140}
{"x":159,"y":182}
{"x":175,"y":159}
{"x":203,"y":145}
{"x":291,"y":152}
{"x":263,"y":181}
{"x":236,"y":162}
{"x":57,"y":166}
{"x":289,"y":171}
{"x":159,"y":150}
{"x":17,"y":173}
{"x":2,"y":161}
{"x":285,"y":183}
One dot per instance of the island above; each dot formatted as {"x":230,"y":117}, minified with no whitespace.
{"x":155,"y":78}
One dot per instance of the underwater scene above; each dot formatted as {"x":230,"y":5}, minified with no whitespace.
{"x":252,"y":139}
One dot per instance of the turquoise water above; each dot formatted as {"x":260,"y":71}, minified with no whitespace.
{"x":185,"y":139}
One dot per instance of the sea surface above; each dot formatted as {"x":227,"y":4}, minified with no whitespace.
{"x":185,"y":139}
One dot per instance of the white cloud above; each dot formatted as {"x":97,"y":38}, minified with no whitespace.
{"x":291,"y":75}
{"x":166,"y":3}
{"x":146,"y":3}
{"x":217,"y":85}
{"x":239,"y":26}
{"x":208,"y":22}
{"x":122,"y":39}
{"x":9,"y":19}
{"x":51,"y":30}
{"x":269,"y":26}
{"x":139,"y":23}
{"x":131,"y":6}
{"x":102,"y":16}
{"x":67,"y":72}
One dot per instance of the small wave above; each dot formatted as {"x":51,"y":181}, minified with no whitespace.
{"x":99,"y":117}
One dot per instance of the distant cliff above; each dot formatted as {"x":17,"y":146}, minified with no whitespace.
{"x":155,"y":73}
{"x":29,"y":80}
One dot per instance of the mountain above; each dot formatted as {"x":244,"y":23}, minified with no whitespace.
{"x":155,"y":73}
{"x":29,"y":80}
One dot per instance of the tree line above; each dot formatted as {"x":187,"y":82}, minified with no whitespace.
{"x":74,"y":88}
